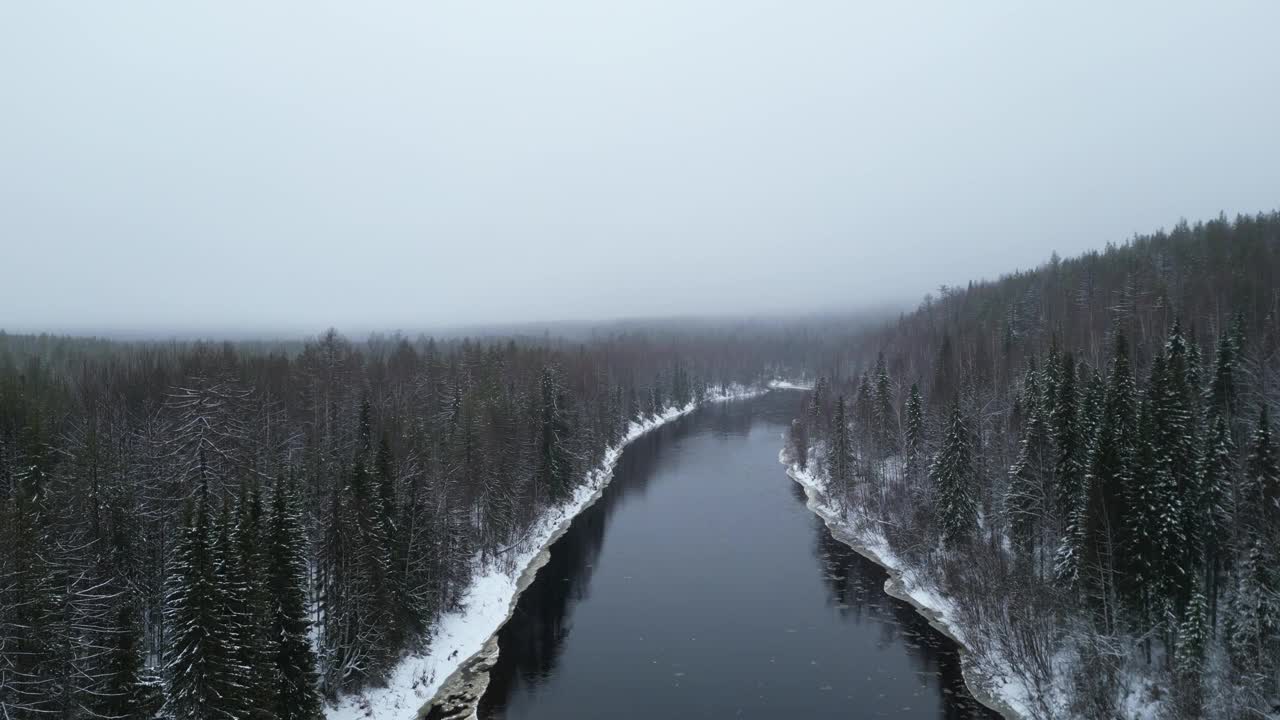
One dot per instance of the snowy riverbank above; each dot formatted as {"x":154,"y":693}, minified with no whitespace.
{"x":461,"y":636}
{"x":1004,"y":695}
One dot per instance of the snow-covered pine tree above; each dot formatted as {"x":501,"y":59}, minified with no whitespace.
{"x":1254,"y":616}
{"x":864,"y":408}
{"x":388,"y":518}
{"x":1255,"y":609}
{"x":200,"y":676}
{"x":1091,"y":406}
{"x":1189,"y":655}
{"x":1027,"y":501}
{"x":1215,"y":506}
{"x":1068,"y":443}
{"x":1144,"y":498}
{"x":1177,"y":427}
{"x":555,"y":463}
{"x":123,"y":695}
{"x":248,"y":581}
{"x":1259,"y":509}
{"x":884,"y":418}
{"x":1158,"y":516}
{"x":29,"y":593}
{"x":915,"y":441}
{"x":1222,"y":393}
{"x":294,"y":695}
{"x":1110,"y":471}
{"x":356,"y":593}
{"x":841,"y":458}
{"x":234,"y":625}
{"x":953,"y":478}
{"x":1072,"y":554}
{"x":1051,"y":377}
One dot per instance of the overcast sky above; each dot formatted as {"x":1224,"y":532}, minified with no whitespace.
{"x":294,"y":165}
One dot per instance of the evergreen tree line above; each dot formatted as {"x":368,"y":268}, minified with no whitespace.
{"x":1123,"y":502}
{"x":241,"y":531}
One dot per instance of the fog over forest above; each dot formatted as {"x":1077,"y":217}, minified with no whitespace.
{"x":719,"y":358}
{"x":268,"y":170}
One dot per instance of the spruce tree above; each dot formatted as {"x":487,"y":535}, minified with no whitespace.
{"x":953,"y":479}
{"x":886,"y":421}
{"x":30,"y":667}
{"x":1051,"y":377}
{"x":393,"y":549}
{"x":1110,"y":471}
{"x":1189,"y":654}
{"x":1091,"y":407}
{"x":914,"y":434}
{"x":122,"y":695}
{"x":1215,"y":506}
{"x":1255,"y":614}
{"x":840,"y":464}
{"x":1069,"y":447}
{"x":1027,"y":500}
{"x":248,"y":581}
{"x":1260,"y":492}
{"x":1176,"y":432}
{"x":1223,"y":398}
{"x":1072,"y":557}
{"x":201,"y":674}
{"x":1255,"y":633}
{"x":555,"y":465}
{"x":233,"y":638}
{"x":864,"y":410}
{"x":294,"y":695}
{"x":1144,"y":499}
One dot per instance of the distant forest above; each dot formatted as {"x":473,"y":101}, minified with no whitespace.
{"x":1083,"y":454}
{"x":1084,"y":457}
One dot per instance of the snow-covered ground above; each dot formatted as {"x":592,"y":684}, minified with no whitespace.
{"x":488,"y":602}
{"x":1004,"y":695}
{"x":790,"y":385}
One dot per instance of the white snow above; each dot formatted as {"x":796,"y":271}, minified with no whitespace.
{"x":489,"y":600}
{"x":780,"y":384}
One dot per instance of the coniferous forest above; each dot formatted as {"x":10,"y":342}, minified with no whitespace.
{"x":221,"y":531}
{"x":1084,"y":456}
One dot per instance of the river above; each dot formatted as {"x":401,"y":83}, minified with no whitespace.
{"x":701,"y":586}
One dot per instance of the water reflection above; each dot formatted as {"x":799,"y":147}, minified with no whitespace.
{"x":749,"y":609}
{"x":531,"y":642}
{"x":856,"y":591}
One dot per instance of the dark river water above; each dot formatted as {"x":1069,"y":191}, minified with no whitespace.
{"x":700,"y":586}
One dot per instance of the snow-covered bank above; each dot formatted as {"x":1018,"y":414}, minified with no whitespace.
{"x":1002,"y":694}
{"x":790,"y":385}
{"x":460,"y":636}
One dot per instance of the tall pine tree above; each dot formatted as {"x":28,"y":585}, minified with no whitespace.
{"x":840,"y":463}
{"x":202,"y":677}
{"x":1110,"y":471}
{"x":294,"y":695}
{"x":953,"y":479}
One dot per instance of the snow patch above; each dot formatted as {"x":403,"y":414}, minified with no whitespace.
{"x":779,"y":384}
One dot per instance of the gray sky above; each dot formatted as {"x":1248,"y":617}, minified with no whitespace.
{"x":294,"y":165}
